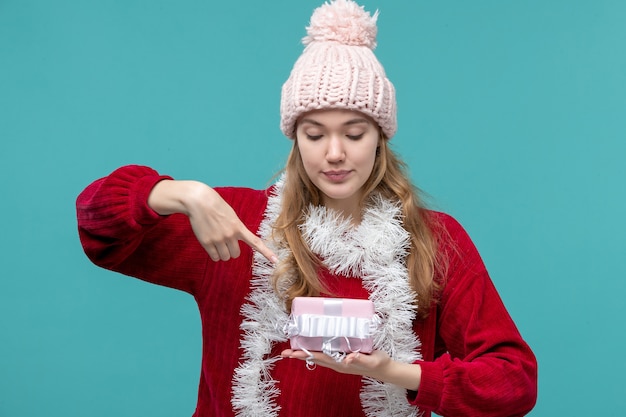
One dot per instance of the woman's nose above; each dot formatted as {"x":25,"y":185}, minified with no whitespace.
{"x":335,"y":151}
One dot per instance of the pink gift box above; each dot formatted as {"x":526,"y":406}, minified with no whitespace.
{"x":331,"y":325}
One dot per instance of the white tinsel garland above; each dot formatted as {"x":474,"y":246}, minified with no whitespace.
{"x":375,"y":252}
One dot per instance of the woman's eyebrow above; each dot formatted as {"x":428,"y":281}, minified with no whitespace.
{"x":349,"y":122}
{"x":357,"y":121}
{"x":311,"y":121}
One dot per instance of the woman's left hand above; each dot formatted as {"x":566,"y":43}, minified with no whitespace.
{"x":354,"y":363}
{"x":377,"y":365}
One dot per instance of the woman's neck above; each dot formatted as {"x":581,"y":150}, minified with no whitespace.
{"x":347,"y":209}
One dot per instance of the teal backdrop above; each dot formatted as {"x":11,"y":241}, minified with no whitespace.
{"x":512,"y":116}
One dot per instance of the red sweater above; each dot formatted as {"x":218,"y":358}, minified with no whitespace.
{"x":475,"y":363}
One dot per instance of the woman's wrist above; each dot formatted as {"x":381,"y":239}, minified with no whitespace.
{"x":174,"y":196}
{"x":405,"y":375}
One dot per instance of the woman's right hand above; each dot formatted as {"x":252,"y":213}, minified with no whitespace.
{"x":215,"y":224}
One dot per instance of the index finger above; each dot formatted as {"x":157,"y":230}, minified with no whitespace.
{"x":257,"y":244}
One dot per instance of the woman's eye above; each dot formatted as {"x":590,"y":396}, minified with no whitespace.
{"x":313,"y":137}
{"x":355,"y":137}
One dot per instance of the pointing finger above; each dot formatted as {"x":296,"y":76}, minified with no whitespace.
{"x":257,"y":244}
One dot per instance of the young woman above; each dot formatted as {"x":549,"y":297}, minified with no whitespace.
{"x":343,"y":221}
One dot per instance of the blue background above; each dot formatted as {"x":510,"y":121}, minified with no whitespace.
{"x":511,"y":116}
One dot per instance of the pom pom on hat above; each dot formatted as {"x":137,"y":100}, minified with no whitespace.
{"x":342,"y":21}
{"x":338,"y":69}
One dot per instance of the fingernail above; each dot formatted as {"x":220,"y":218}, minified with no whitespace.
{"x":274,"y":259}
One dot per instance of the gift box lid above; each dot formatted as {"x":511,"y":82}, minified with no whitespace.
{"x":347,"y":307}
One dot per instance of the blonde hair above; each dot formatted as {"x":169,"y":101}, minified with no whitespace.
{"x":298,"y":275}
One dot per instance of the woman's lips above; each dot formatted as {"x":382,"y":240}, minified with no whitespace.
{"x":336,"y":176}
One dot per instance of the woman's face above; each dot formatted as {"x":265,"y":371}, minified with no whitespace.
{"x":338,"y":149}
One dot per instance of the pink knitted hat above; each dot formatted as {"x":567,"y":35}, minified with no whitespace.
{"x":338,"y":69}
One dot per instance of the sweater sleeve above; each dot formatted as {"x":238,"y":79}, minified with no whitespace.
{"x":488,"y":369}
{"x":120,"y":232}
